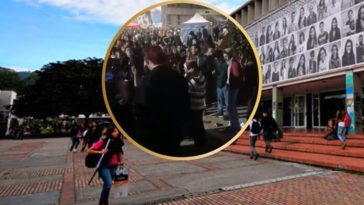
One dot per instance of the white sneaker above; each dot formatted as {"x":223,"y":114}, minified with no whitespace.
{"x":74,"y":150}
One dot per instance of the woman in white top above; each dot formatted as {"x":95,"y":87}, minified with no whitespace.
{"x":276,"y":51}
{"x":301,"y":42}
{"x":322,"y":60}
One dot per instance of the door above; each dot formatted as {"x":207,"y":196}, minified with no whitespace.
{"x":299,"y":111}
{"x":316,"y":121}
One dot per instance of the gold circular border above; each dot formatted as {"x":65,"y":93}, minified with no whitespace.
{"x":257,"y":100}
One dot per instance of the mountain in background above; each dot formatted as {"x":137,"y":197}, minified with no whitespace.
{"x":22,"y":74}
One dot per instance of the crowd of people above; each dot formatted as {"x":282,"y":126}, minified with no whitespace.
{"x":86,"y":135}
{"x":158,"y":84}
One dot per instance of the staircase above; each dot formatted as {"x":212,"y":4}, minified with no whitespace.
{"x":310,"y":148}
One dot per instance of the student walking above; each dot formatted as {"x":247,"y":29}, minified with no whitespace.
{"x":255,"y":130}
{"x":112,"y":159}
{"x":77,"y":136}
{"x":93,"y":133}
{"x":269,"y":126}
{"x":343,"y":125}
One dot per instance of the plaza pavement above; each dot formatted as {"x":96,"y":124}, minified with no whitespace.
{"x":44,"y":172}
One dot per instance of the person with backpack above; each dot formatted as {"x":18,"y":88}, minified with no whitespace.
{"x":254,"y":131}
{"x":343,"y":125}
{"x":269,"y":126}
{"x":112,"y":159}
{"x":93,"y":134}
{"x":347,"y":121}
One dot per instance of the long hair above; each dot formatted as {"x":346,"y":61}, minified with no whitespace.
{"x":314,"y":36}
{"x":359,"y":28}
{"x":332,"y":28}
{"x":301,"y":18}
{"x":267,"y":35}
{"x":319,"y":56}
{"x":304,"y":63}
{"x":352,"y":49}
{"x":337,"y":53}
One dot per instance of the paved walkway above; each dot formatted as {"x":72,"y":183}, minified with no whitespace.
{"x":324,"y":189}
{"x":42,"y":171}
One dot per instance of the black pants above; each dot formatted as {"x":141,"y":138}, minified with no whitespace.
{"x":267,"y":138}
{"x":75,"y":143}
{"x":196,"y":128}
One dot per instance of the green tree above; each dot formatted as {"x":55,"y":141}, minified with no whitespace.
{"x":238,"y":43}
{"x":10,"y":80}
{"x":71,"y":87}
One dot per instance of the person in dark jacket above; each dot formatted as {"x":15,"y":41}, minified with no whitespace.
{"x":164,"y":107}
{"x":73,"y":135}
{"x":360,"y":50}
{"x":269,"y":126}
{"x":210,"y":81}
{"x":221,"y":89}
{"x":360,"y":20}
{"x":334,"y":31}
{"x":348,"y":58}
{"x":93,"y":134}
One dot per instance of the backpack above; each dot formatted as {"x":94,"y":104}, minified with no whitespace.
{"x":255,"y":128}
{"x":274,"y":125}
{"x":347,"y":120}
{"x":92,"y":160}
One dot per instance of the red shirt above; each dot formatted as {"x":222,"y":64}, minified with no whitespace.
{"x":99,"y":145}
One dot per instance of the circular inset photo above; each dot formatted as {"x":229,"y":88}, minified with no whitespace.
{"x":181,"y":80}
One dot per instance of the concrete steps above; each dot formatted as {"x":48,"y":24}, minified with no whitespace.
{"x":311,"y":148}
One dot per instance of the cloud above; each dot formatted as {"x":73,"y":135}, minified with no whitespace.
{"x":113,"y":11}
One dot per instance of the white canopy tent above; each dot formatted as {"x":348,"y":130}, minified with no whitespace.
{"x":194,"y":24}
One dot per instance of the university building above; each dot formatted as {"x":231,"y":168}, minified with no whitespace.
{"x":173,"y":15}
{"x":312,"y":57}
{"x":7,"y":98}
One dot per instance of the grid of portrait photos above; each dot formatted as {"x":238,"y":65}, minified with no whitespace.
{"x":309,"y":37}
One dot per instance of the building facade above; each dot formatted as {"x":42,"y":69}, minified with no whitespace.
{"x":312,"y":57}
{"x":173,"y":15}
{"x":6,"y":101}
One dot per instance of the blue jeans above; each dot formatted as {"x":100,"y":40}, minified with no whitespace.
{"x":233,"y":112}
{"x":222,"y":100}
{"x":341,"y":131}
{"x":106,"y":173}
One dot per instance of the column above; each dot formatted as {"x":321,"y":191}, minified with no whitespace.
{"x":277,"y":105}
{"x":258,"y":9}
{"x":273,"y":4}
{"x":353,"y":101}
{"x":238,"y":17}
{"x":265,"y":7}
{"x":250,"y":13}
{"x":244,"y":16}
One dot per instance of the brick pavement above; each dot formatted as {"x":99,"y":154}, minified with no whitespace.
{"x":334,"y":188}
{"x":42,"y":171}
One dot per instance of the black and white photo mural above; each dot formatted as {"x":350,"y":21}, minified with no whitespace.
{"x":310,"y":37}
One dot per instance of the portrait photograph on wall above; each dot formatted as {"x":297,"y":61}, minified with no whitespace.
{"x":310,"y":37}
